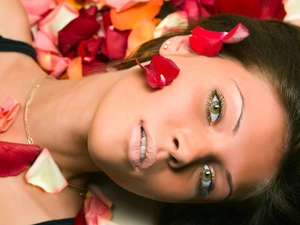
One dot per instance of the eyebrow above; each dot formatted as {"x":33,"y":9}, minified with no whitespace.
{"x":238,"y":123}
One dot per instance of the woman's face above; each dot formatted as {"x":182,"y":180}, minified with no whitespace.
{"x":215,"y":133}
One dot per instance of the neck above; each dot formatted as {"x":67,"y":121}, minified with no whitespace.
{"x":60,"y":117}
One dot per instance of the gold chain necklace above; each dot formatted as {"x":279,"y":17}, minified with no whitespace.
{"x":82,"y":191}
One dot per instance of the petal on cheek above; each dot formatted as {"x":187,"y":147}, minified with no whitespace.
{"x":45,"y":174}
{"x":160,"y":72}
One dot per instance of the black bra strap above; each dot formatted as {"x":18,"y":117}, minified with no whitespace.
{"x":8,"y":45}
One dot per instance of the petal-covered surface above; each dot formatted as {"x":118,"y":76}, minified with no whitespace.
{"x":209,"y":43}
{"x":128,"y":19}
{"x":15,"y":158}
{"x":160,"y":72}
{"x":8,"y":113}
{"x":45,"y":174}
{"x":292,"y":8}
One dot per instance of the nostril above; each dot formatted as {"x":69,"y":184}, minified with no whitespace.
{"x":176,"y":142}
{"x":175,"y":161}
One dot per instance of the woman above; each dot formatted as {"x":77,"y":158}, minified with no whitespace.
{"x":232,"y":156}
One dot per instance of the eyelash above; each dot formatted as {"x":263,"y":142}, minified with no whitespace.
{"x":204,"y":191}
{"x":220,"y":100}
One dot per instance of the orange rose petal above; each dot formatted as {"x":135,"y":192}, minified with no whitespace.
{"x":122,"y":5}
{"x":139,"y":35}
{"x":8,"y":113}
{"x":128,"y":19}
{"x":74,"y":70}
{"x":45,"y":174}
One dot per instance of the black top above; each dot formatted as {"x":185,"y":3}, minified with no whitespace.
{"x":69,"y":221}
{"x":8,"y":45}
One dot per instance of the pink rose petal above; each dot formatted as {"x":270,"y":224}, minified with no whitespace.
{"x":160,"y":72}
{"x":8,"y":113}
{"x":97,"y":207}
{"x":15,"y":158}
{"x":36,"y":8}
{"x":209,"y":43}
{"x":58,"y":18}
{"x":45,"y":174}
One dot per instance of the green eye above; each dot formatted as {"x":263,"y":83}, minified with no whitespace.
{"x":206,"y":180}
{"x":215,"y":106}
{"x":206,"y":177}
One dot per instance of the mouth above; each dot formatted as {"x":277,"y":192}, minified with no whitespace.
{"x":142,"y":153}
{"x":143,"y":145}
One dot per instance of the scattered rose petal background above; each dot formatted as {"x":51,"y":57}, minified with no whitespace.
{"x":74,"y":37}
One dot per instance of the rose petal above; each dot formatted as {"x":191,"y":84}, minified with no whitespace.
{"x":292,"y":8}
{"x":128,"y":19}
{"x":70,"y":36}
{"x":174,"y":21}
{"x":8,"y":113}
{"x":115,"y":44}
{"x":97,"y":207}
{"x":15,"y":158}
{"x":88,"y":49}
{"x":123,"y":5}
{"x":36,"y":8}
{"x":54,"y":64}
{"x":251,"y":8}
{"x":160,"y":72}
{"x":209,"y":43}
{"x":57,"y":19}
{"x":74,"y":70}
{"x":139,"y":35}
{"x":45,"y":174}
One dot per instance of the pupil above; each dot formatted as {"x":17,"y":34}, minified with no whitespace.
{"x":215,"y":107}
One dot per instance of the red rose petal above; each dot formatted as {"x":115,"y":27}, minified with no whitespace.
{"x":88,"y":49}
{"x":160,"y":72}
{"x":14,"y":158}
{"x":77,"y":30}
{"x":209,"y":43}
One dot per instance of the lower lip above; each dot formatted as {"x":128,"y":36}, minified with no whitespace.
{"x":134,"y":153}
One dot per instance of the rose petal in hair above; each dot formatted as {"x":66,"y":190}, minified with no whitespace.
{"x":15,"y":158}
{"x":209,"y":43}
{"x":160,"y":72}
{"x":45,"y":174}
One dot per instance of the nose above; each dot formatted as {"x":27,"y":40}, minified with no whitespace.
{"x":176,"y":45}
{"x":189,"y":148}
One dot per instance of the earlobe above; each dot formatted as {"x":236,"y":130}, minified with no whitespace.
{"x":178,"y":45}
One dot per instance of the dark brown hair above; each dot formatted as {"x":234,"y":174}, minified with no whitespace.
{"x":273,"y":50}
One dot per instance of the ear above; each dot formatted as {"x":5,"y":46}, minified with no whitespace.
{"x":178,"y":45}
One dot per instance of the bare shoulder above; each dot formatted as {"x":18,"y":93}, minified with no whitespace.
{"x":14,"y":21}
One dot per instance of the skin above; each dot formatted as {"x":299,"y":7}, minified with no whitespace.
{"x":90,"y":128}
{"x":178,"y":112}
